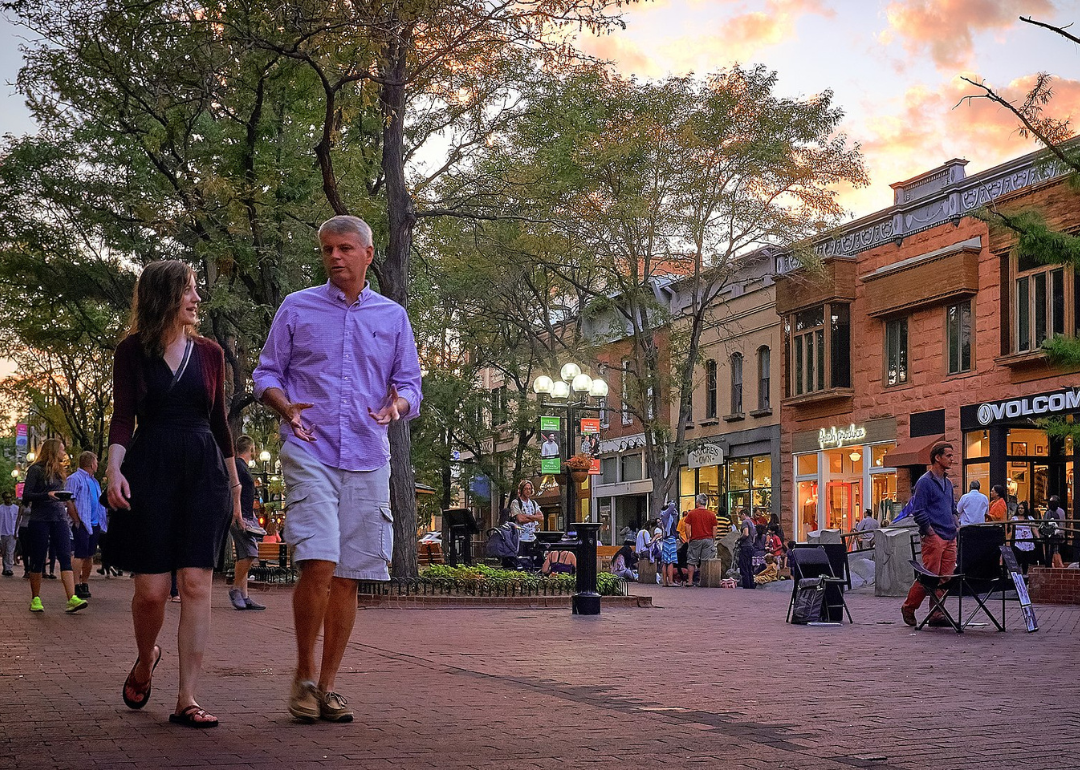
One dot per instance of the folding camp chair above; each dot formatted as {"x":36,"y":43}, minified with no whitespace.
{"x":979,"y":562}
{"x":812,"y":561}
{"x":933,"y":583}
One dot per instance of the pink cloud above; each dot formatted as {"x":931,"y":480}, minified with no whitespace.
{"x":627,"y":56}
{"x":934,"y":125}
{"x":945,"y":27}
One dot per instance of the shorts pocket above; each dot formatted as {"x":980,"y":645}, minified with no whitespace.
{"x":386,"y":541}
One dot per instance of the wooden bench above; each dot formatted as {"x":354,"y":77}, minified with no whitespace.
{"x":429,"y":553}
{"x":604,"y":555}
{"x":273,"y":564}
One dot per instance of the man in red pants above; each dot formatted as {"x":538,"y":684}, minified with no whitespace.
{"x":933,"y":507}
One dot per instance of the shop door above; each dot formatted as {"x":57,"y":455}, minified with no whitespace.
{"x":843,"y":503}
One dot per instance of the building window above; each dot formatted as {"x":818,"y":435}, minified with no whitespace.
{"x":630,"y":469}
{"x":624,"y":388}
{"x":499,"y":408}
{"x":710,"y":390}
{"x":1041,"y":303}
{"x":763,"y":367}
{"x":819,"y":350}
{"x":958,"y":335}
{"x":736,"y":383}
{"x":896,"y":352}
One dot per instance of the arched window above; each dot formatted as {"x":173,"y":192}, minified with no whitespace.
{"x":764,"y":365}
{"x":736,"y":383}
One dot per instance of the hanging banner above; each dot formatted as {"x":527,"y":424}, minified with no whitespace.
{"x":550,"y":448}
{"x":20,"y":443}
{"x":590,"y":443}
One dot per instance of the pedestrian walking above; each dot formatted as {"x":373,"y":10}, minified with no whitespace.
{"x":50,"y":510}
{"x":172,"y":484}
{"x":86,"y":497}
{"x":9,"y":530}
{"x":339,"y":366}
{"x":245,"y":531}
{"x":934,"y":510}
{"x":24,"y":537}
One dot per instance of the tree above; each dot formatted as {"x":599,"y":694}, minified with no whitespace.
{"x":629,"y":191}
{"x":1035,"y":238}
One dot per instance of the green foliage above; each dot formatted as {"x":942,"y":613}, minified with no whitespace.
{"x":480,"y":577}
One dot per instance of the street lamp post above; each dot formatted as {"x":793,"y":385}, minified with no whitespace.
{"x":572,"y":393}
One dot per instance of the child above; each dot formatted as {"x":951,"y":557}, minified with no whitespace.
{"x":770,"y":573}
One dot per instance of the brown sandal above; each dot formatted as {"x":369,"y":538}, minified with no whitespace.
{"x":140,"y":690}
{"x":194,"y":716}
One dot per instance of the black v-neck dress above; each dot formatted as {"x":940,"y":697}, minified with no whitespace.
{"x":180,"y":497}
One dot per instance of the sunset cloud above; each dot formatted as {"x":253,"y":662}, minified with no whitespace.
{"x":933,"y":125}
{"x":945,"y":27}
{"x":627,"y":56}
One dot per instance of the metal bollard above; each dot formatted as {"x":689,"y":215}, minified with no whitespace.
{"x":587,"y":600}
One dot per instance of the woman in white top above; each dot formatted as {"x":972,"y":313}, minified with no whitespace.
{"x":526,"y":512}
{"x":1023,"y":544}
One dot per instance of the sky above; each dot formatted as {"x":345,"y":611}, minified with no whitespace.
{"x":893,"y":65}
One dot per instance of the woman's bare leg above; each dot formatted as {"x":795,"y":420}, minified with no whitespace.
{"x":195,"y":585}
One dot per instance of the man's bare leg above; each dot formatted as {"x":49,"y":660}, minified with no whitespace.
{"x":310,"y":598}
{"x":337,"y":628}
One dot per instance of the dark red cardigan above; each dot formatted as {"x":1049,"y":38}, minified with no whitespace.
{"x":129,"y":389}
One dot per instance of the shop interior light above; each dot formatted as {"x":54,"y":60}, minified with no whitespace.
{"x":570,"y":371}
{"x":855,"y":456}
{"x":542,"y":384}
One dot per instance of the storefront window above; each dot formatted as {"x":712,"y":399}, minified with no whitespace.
{"x":631,"y":467}
{"x":877,"y":454}
{"x":750,"y":485}
{"x":806,"y":465}
{"x":706,"y":481}
{"x":977,"y":444}
{"x":978,"y":472}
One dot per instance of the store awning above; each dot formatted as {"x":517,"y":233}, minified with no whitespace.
{"x":912,"y":451}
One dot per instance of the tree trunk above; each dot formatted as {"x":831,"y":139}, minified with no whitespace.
{"x":394,"y":282}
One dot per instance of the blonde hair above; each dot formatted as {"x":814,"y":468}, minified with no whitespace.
{"x":52,"y":458}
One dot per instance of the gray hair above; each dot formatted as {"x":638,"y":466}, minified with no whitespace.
{"x":974,"y":484}
{"x":348,"y":225}
{"x":702,"y":499}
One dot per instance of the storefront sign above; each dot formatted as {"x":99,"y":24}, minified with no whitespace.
{"x":834,"y":437}
{"x":1065,"y":401}
{"x":704,"y":456}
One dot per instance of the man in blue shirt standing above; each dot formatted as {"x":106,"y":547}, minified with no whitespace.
{"x":85,"y":530}
{"x":934,"y":509}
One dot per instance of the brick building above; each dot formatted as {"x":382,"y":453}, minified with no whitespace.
{"x":927,"y":323}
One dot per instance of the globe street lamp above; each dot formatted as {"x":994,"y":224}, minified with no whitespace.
{"x":572,"y":393}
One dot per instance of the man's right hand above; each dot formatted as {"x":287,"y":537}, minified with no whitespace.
{"x":292,"y":414}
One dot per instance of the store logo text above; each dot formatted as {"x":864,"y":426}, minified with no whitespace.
{"x":831,"y":438}
{"x":1022,"y":407}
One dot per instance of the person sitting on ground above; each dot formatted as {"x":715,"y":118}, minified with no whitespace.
{"x":774,"y":546}
{"x":770,"y":573}
{"x":625,"y":561}
{"x":559,"y":563}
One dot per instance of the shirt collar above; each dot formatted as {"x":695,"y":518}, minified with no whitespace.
{"x":337,"y":295}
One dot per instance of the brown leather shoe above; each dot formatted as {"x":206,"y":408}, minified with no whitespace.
{"x":939,"y":621}
{"x":304,"y":701}
{"x":908,"y":615}
{"x":334,"y":708}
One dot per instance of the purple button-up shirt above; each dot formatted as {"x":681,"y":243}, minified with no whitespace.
{"x":343,"y":359}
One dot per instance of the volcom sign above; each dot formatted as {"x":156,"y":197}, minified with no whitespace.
{"x":1065,"y":401}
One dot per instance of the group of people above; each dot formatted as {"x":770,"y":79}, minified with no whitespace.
{"x":680,"y":543}
{"x":339,"y":367}
{"x":1034,"y":539}
{"x":61,"y":519}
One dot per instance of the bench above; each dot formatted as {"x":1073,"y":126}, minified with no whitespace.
{"x":273,"y":564}
{"x":604,"y":555}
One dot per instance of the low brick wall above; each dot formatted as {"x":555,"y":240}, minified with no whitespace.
{"x":1054,"y":586}
{"x":493,"y":602}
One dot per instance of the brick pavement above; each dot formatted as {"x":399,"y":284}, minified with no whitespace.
{"x":707,"y":678}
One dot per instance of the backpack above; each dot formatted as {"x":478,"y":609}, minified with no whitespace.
{"x":809,"y":597}
{"x":503,"y":541}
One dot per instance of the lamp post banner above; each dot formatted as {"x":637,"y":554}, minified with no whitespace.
{"x":551,"y":450}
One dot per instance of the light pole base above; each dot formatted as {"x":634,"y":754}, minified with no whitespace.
{"x":585,"y":603}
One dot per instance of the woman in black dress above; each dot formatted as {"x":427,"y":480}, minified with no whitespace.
{"x":171,"y":489}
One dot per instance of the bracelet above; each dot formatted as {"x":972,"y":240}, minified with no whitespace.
{"x":237,"y":484}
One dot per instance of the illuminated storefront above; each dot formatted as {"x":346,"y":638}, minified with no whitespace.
{"x":839,"y":472}
{"x":1004,"y":444}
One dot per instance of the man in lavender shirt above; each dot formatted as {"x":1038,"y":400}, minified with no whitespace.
{"x":339,"y":366}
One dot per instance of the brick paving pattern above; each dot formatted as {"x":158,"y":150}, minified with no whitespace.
{"x":706,"y":678}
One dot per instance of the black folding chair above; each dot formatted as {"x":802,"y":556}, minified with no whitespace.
{"x":933,"y":583}
{"x":979,"y":562}
{"x":812,"y":561}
